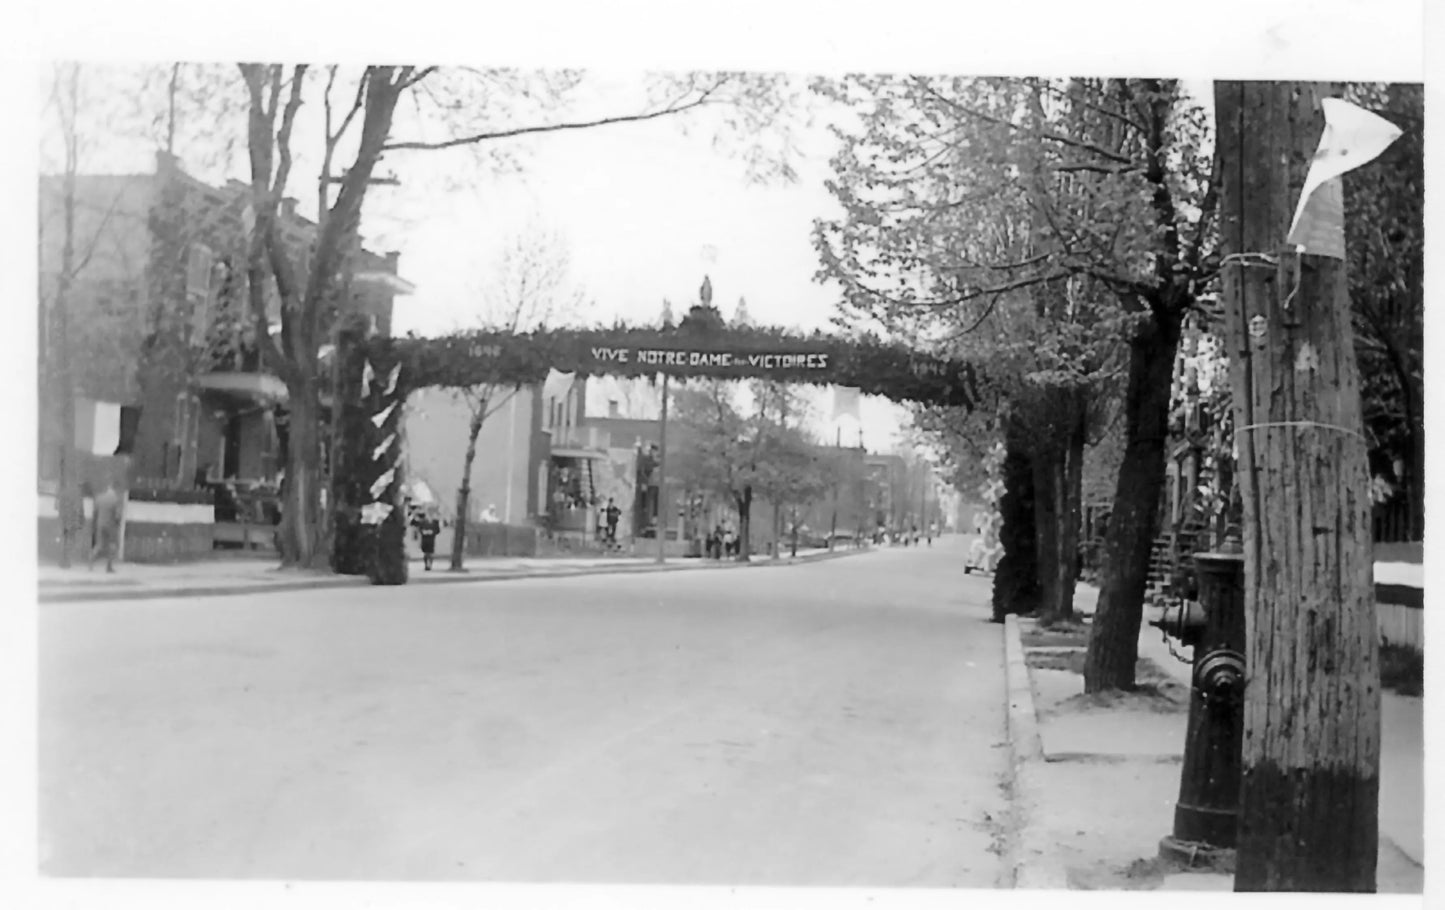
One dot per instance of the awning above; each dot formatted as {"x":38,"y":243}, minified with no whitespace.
{"x":394,"y":283}
{"x":253,"y":387}
{"x":582,"y":454}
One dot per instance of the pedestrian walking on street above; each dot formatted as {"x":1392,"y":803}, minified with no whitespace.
{"x":105,"y":523}
{"x":613,"y":515}
{"x":428,"y":528}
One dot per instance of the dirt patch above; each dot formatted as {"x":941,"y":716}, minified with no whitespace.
{"x":1072,"y":634}
{"x":1154,"y":689}
{"x":1070,"y":661}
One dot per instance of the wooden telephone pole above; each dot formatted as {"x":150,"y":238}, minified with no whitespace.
{"x":1311,"y":752}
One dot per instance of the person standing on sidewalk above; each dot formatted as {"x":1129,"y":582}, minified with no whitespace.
{"x":428,"y":528}
{"x":106,"y":515}
{"x":613,"y":515}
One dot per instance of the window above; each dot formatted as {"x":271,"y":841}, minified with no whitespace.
{"x":198,"y":270}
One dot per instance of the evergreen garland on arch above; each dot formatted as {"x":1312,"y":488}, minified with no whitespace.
{"x":873,"y":366}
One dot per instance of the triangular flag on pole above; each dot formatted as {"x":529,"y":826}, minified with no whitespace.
{"x":1353,"y":137}
{"x":380,"y":418}
{"x":391,"y":380}
{"x":557,"y":384}
{"x":380,"y":450}
{"x":379,"y":485}
{"x":367,"y":376}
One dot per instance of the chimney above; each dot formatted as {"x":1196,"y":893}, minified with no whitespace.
{"x":288,"y":208}
{"x":166,"y":162}
{"x":392,"y":258}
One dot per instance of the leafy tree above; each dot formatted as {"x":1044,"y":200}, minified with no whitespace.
{"x":745,"y":455}
{"x":1384,"y":224}
{"x":1083,"y":204}
{"x":529,"y":289}
{"x":788,"y":472}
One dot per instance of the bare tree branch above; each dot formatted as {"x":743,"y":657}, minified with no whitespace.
{"x":703,"y":99}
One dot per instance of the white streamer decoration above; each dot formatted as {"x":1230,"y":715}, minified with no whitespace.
{"x":368,"y":375}
{"x":375,"y":513}
{"x":380,"y":418}
{"x":391,"y":380}
{"x":379,"y":485}
{"x":380,"y":450}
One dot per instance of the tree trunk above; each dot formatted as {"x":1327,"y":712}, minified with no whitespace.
{"x":745,"y":524}
{"x":1309,"y":795}
{"x":464,"y":491}
{"x":1016,"y":579}
{"x":1134,"y":521}
{"x":1072,"y":509}
{"x":1047,"y":464}
{"x":302,"y":532}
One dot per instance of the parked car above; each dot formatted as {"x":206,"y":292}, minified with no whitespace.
{"x":981,"y":558}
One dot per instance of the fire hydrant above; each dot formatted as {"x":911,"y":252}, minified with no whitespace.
{"x":1206,"y":816}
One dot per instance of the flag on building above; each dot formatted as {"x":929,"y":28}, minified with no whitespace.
{"x":97,"y":427}
{"x":845,"y":402}
{"x":557,"y":384}
{"x":1353,"y":137}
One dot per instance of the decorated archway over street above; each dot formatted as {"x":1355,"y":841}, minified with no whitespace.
{"x":377,"y":374}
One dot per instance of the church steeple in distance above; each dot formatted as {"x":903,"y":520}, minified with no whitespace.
{"x":705,"y":293}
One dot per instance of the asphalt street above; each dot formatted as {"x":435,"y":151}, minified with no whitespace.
{"x":838,"y":723}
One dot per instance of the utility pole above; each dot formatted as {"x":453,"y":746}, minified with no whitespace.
{"x":661,"y":520}
{"x":1309,"y":790}
{"x":838,"y":470}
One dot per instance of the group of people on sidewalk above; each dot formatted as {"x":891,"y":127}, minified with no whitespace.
{"x":908,"y":536}
{"x":721,"y":542}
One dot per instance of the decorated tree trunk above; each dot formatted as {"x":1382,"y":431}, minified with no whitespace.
{"x":1016,"y":581}
{"x":351,"y":469}
{"x":370,"y":476}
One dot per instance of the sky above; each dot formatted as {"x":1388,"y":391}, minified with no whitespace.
{"x":646,"y":211}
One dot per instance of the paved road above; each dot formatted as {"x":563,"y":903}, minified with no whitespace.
{"x":837,"y":723}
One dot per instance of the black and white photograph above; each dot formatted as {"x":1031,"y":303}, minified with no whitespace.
{"x":682,"y":455}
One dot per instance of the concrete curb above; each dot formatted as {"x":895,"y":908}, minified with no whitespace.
{"x":1028,"y":861}
{"x":323,"y":583}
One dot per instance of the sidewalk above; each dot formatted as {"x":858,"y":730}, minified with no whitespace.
{"x":1097,"y":777}
{"x":243,"y":574}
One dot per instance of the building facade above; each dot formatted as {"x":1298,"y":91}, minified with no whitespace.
{"x":159,"y":336}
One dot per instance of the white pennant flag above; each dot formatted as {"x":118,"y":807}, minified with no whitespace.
{"x":845,"y":402}
{"x":367,"y":377}
{"x":380,"y":418}
{"x":379,"y":485}
{"x":380,"y":450}
{"x":557,"y":384}
{"x":375,"y":513}
{"x":391,"y":380}
{"x":1353,"y":137}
